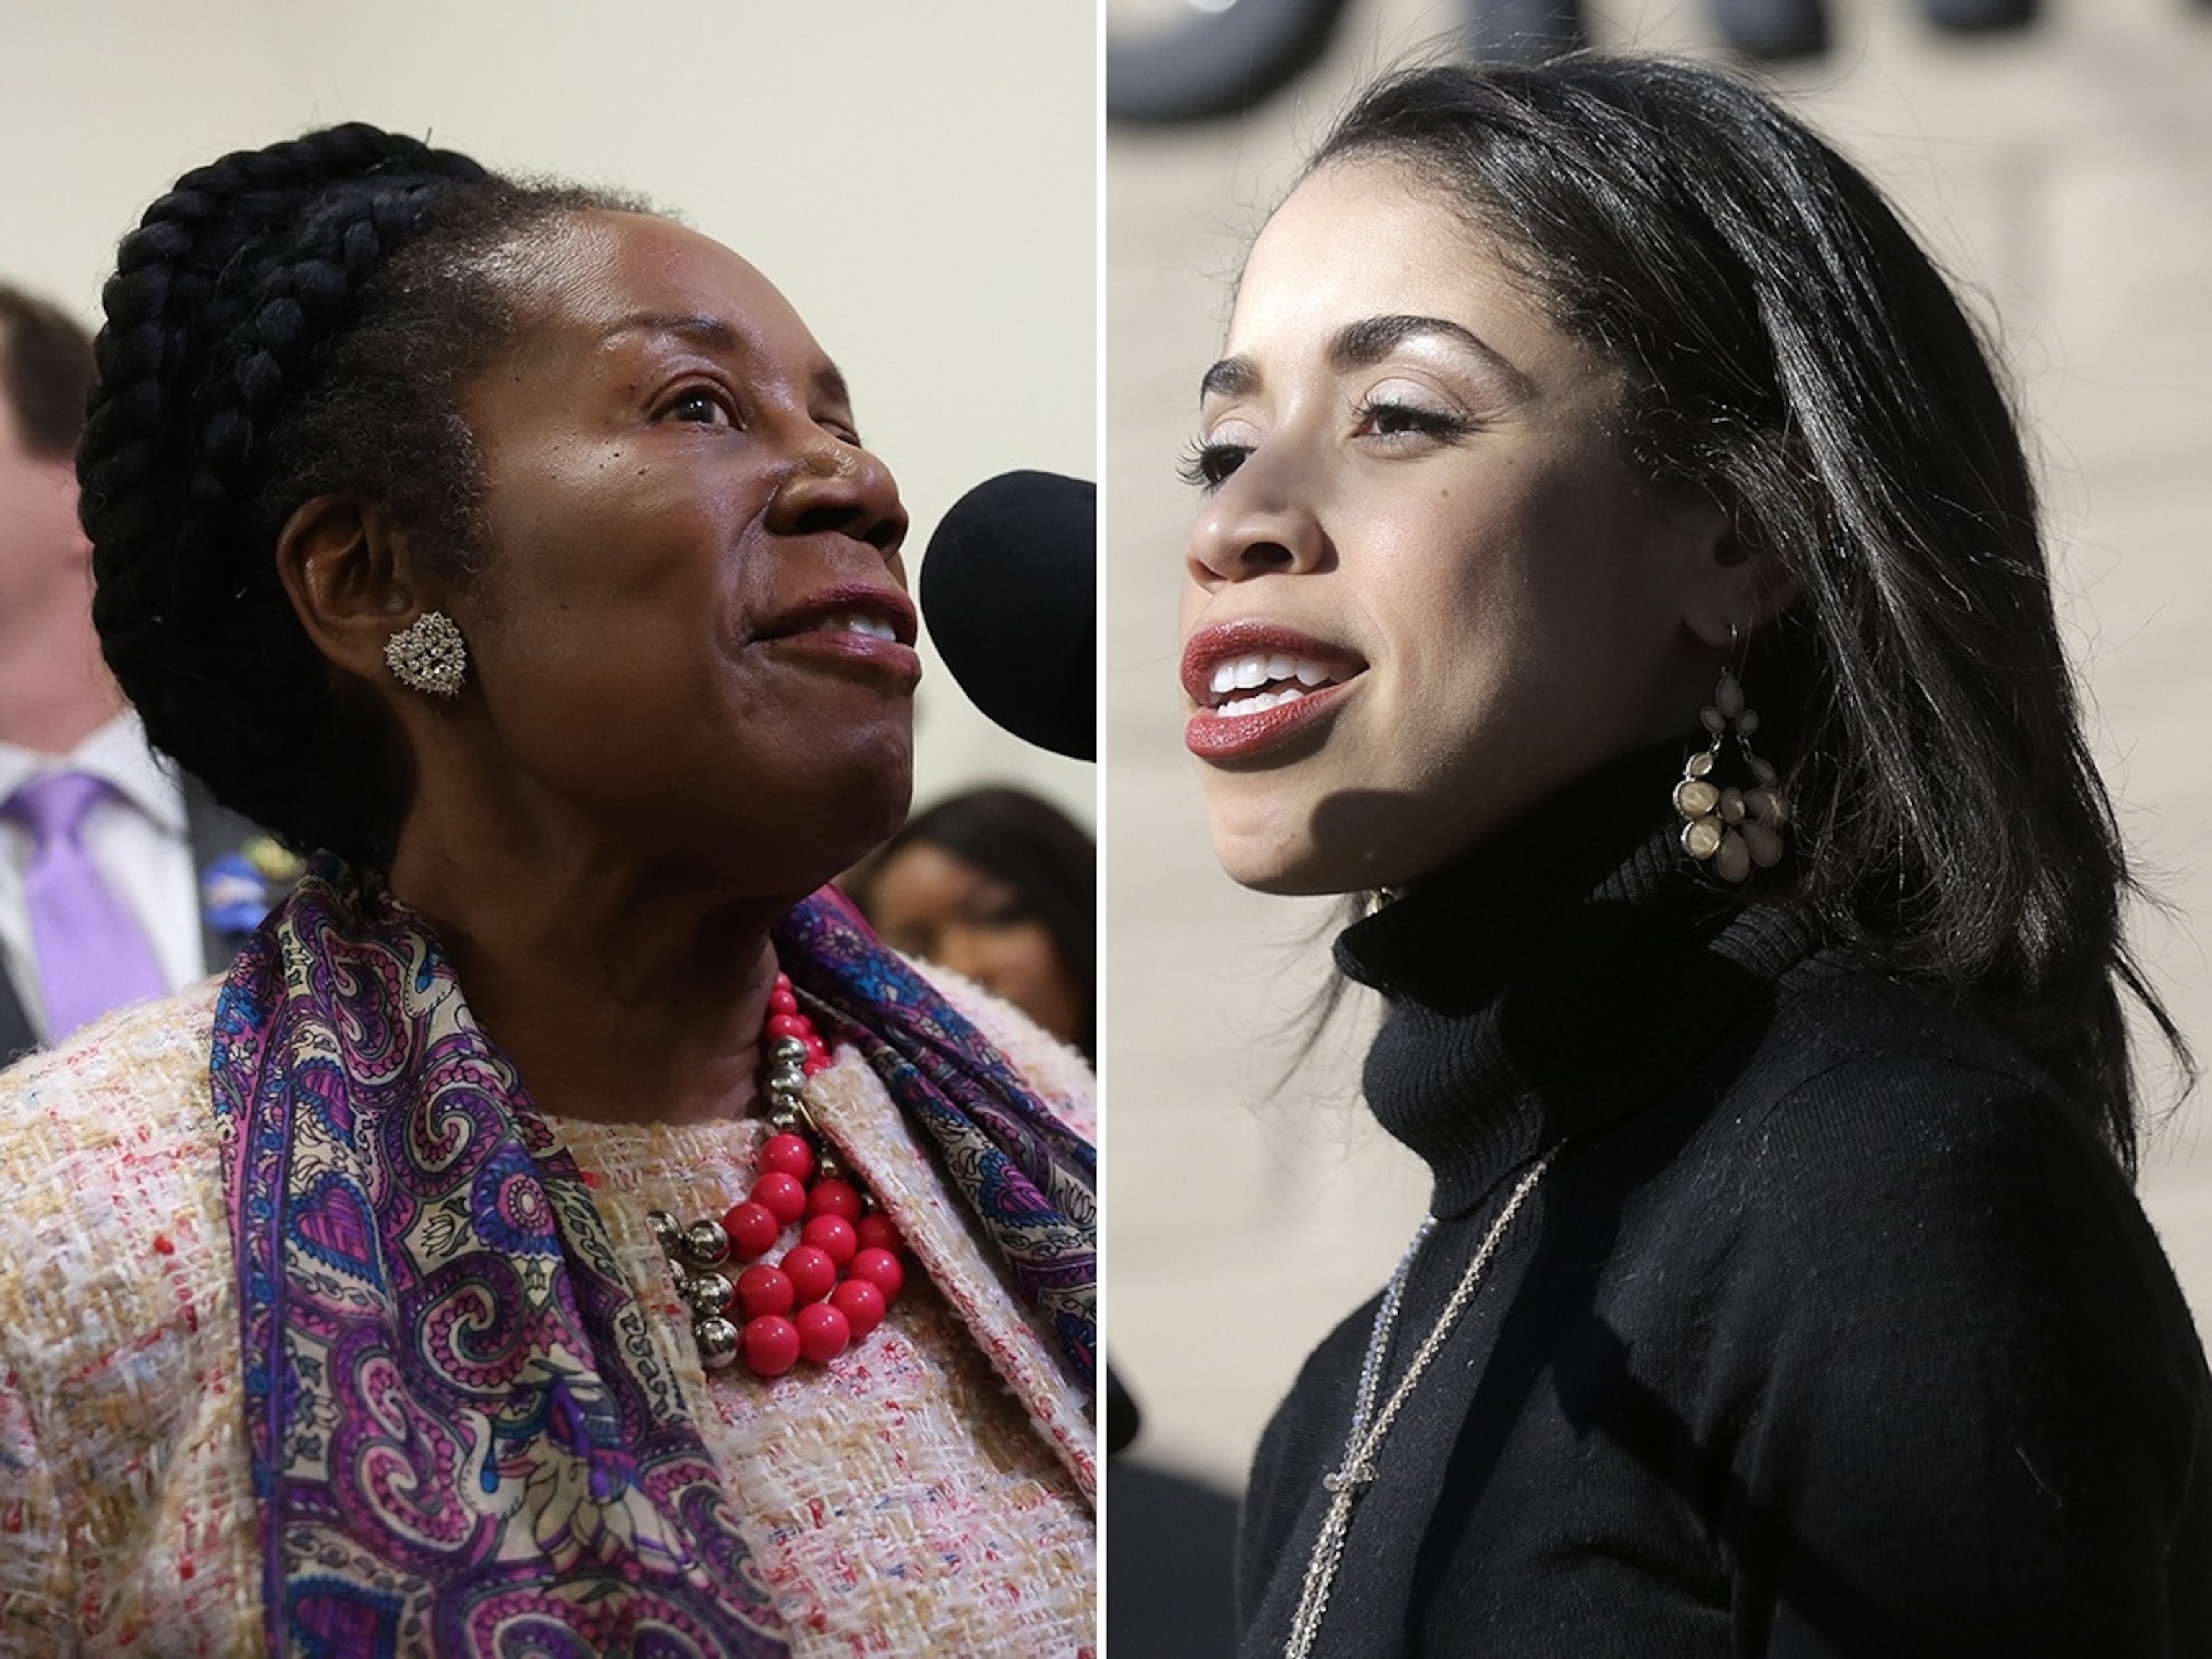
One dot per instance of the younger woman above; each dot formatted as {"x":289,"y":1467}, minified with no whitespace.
{"x":1620,"y":562}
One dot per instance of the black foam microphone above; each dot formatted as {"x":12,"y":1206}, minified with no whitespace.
{"x":1009,"y":590}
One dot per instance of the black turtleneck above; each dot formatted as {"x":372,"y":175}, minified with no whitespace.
{"x":1829,"y":1329}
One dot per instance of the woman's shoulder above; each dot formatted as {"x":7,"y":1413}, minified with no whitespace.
{"x":1056,"y":1071}
{"x":143,"y":1052}
{"x":118,"y":1340}
{"x":1926,"y":1284}
{"x":1895,"y":1129}
{"x":1867,"y":1061}
{"x":117,"y":1111}
{"x":133,"y":1047}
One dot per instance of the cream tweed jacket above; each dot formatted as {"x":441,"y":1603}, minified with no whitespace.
{"x":931,"y":1491}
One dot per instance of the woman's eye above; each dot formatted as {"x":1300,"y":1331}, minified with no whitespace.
{"x":700,"y":404}
{"x":1205,"y":465}
{"x":1379,"y":419}
{"x":992,"y":906}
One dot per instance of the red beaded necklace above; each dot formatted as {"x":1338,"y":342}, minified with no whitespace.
{"x":832,"y":1287}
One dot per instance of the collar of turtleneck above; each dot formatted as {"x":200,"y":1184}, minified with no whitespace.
{"x":1567,"y":971}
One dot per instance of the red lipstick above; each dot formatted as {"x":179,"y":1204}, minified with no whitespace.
{"x":1213,"y":736}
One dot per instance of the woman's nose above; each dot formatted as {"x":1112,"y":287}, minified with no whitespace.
{"x":1255,"y":525}
{"x":958,"y":949}
{"x":835,"y":485}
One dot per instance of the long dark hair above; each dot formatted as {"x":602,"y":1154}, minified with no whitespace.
{"x":283,"y":323}
{"x":1789,"y":349}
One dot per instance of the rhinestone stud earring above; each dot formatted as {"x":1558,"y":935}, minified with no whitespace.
{"x":428,"y":655}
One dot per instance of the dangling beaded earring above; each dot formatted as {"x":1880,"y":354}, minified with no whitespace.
{"x":1731,"y":828}
{"x":428,"y":655}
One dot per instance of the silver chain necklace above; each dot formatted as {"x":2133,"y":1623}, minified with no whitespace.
{"x":1363,"y":1442}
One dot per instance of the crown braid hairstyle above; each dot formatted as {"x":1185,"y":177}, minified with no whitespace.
{"x":286,"y":323}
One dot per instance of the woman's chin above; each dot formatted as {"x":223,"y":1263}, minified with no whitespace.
{"x":857,"y":789}
{"x":1304,"y":849}
{"x":819,"y":828}
{"x":1288,"y":870}
{"x":865,"y":819}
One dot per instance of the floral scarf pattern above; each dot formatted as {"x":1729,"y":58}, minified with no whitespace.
{"x":1029,"y":1180}
{"x":464,"y":1439}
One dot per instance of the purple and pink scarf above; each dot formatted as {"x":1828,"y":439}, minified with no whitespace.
{"x":463,"y":1440}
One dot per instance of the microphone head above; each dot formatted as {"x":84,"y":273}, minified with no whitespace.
{"x":1009,"y":591}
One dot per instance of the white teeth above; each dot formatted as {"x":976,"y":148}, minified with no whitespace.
{"x":1251,"y":671}
{"x":874,"y":627}
{"x":1258,"y":705}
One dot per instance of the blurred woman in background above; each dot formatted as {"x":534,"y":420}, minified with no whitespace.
{"x":1000,"y":886}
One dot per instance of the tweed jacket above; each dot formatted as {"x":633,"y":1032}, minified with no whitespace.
{"x":930,"y":1490}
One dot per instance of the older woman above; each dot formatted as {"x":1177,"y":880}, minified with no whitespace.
{"x":558,"y":1232}
{"x":1618,"y":562}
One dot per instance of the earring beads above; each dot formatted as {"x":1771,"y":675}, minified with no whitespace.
{"x":1732,"y":827}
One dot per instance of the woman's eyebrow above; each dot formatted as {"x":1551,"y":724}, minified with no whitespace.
{"x":718,"y":334}
{"x":1364,"y":343}
{"x":1232,"y":377}
{"x":702,"y":330}
{"x":1370,"y":340}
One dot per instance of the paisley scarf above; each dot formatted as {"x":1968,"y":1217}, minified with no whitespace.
{"x":463,"y":1440}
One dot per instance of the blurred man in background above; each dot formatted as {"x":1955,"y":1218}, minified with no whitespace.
{"x":103,"y":899}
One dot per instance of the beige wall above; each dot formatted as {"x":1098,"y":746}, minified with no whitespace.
{"x":919,"y":179}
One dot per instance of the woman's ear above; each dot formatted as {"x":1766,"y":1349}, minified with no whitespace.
{"x":1738,"y":586}
{"x":348,"y":575}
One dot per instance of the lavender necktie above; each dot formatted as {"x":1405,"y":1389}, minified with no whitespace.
{"x":93,"y":955}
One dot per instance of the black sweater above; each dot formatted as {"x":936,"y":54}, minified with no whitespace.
{"x":1831,"y":1330}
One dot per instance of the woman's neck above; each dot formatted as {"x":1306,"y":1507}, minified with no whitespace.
{"x":1557,"y":978}
{"x":621,"y":994}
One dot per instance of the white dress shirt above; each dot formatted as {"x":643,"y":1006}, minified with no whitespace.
{"x":137,"y":835}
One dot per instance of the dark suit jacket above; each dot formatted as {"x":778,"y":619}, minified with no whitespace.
{"x":213,"y":829}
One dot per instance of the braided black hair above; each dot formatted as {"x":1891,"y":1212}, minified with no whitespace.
{"x":285,"y":323}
